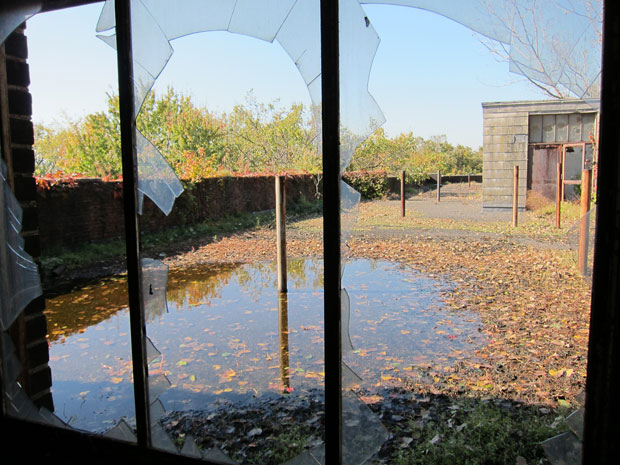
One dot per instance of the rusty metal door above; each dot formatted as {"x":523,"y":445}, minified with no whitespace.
{"x":542,"y":169}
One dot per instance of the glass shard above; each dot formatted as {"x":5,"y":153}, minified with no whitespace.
{"x":347,"y":345}
{"x":156,"y":179}
{"x":18,"y":404}
{"x":152,"y":354}
{"x":159,"y":438}
{"x":15,"y":13}
{"x":158,"y":384}
{"x":554,"y":43}
{"x":122,"y":432}
{"x":154,"y":285}
{"x":314,"y":456}
{"x":217,"y":456}
{"x":12,"y":367}
{"x":575,"y":422}
{"x":49,"y":418}
{"x":20,"y":282}
{"x":362,"y":432}
{"x":564,"y":449}
{"x":190,"y":448}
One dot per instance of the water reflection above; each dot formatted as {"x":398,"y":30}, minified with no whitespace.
{"x":229,"y":333}
{"x":283,"y":333}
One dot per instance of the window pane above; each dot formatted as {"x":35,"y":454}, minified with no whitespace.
{"x":536,"y":129}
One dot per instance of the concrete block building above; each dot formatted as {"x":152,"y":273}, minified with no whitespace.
{"x":535,"y":136}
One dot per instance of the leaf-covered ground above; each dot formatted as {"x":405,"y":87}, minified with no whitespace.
{"x":524,"y":284}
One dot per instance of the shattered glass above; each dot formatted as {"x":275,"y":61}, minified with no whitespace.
{"x":554,"y":43}
{"x":12,"y":16}
{"x":563,"y":449}
{"x":295,"y":26}
{"x":21,"y":282}
{"x":154,"y":285}
{"x":122,"y":432}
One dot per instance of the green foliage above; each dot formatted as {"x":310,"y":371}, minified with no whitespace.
{"x":253,"y":138}
{"x":266,"y":138}
{"x":482,"y":433}
{"x":371,"y":184}
{"x":419,"y":157}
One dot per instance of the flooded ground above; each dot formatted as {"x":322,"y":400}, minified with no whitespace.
{"x":227,"y":335}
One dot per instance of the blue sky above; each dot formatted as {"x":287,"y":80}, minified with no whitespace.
{"x":429,"y":76}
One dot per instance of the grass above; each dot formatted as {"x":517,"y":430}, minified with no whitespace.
{"x":482,"y":433}
{"x":279,"y":449}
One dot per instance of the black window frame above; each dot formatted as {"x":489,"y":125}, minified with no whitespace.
{"x":601,"y":431}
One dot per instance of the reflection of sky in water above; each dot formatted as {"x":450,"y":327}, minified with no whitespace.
{"x":220,"y":337}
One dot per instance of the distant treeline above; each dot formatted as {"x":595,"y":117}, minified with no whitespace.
{"x":252,"y":138}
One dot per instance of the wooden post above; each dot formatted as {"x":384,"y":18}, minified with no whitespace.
{"x":515,"y":198}
{"x":438,"y":185}
{"x":469,"y":181}
{"x":281,"y":232}
{"x":558,"y":196}
{"x":285,"y":377}
{"x":586,"y":177}
{"x":402,"y":193}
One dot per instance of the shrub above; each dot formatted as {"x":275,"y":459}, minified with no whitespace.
{"x":371,"y":184}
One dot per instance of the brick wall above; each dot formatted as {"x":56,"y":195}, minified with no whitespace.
{"x":92,"y":210}
{"x":30,"y":329}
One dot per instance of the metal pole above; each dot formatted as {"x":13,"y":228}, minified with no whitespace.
{"x":558,"y":196}
{"x":402,"y":193}
{"x":515,"y":198}
{"x":586,"y":176}
{"x":438,"y":185}
{"x":330,"y":90}
{"x":281,"y":232}
{"x":132,"y":226}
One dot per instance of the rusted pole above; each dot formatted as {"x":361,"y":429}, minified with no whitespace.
{"x":586,"y":176}
{"x":558,"y":196}
{"x":402,"y":193}
{"x":515,"y":198}
{"x":438,"y":185}
{"x":281,"y":232}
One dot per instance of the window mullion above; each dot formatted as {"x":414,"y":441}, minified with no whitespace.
{"x":132,"y":226}
{"x":330,"y":82}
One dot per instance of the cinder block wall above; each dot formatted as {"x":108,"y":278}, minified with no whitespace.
{"x":504,"y":147}
{"x":30,"y":330}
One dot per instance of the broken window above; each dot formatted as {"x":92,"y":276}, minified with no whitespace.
{"x":295,"y":26}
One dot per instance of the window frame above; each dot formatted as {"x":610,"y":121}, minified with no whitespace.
{"x":601,"y":426}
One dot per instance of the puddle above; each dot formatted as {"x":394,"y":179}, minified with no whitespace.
{"x":226,"y":335}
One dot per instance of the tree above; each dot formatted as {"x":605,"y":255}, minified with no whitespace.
{"x":554,"y":44}
{"x":267,"y":138}
{"x":190,"y":138}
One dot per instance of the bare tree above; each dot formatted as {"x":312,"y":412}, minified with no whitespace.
{"x":554,"y":44}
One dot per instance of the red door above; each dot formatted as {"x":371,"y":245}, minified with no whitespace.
{"x":542,"y":169}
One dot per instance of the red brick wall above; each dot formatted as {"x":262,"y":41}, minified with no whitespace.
{"x":92,"y":210}
{"x":30,"y":329}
